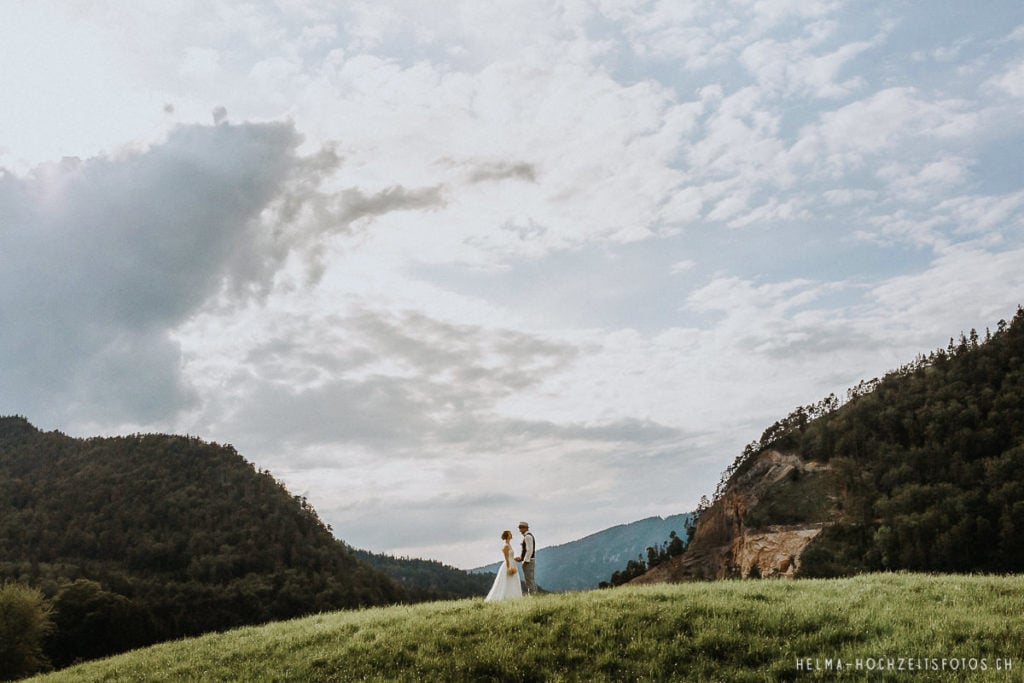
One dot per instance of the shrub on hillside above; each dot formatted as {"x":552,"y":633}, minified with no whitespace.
{"x":24,"y":624}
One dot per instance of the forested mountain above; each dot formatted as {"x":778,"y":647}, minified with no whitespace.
{"x":922,"y":470}
{"x":931,"y":462}
{"x":143,"y":538}
{"x":585,"y":563}
{"x":427,"y":579}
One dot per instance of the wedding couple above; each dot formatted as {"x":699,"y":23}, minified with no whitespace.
{"x":506,"y":583}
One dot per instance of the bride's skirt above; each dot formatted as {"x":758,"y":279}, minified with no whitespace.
{"x":505,"y":586}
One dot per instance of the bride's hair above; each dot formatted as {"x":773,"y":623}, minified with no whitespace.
{"x":506,"y":535}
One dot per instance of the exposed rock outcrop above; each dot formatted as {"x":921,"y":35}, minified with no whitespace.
{"x":769,"y":512}
{"x":775,"y":552}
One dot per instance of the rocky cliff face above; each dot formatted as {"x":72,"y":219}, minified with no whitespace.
{"x":773,"y":553}
{"x":770,"y":511}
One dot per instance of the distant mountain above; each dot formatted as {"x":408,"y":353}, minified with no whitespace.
{"x":922,"y":470}
{"x":585,"y":563}
{"x":144,"y":538}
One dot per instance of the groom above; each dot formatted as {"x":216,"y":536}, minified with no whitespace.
{"x":527,"y":557}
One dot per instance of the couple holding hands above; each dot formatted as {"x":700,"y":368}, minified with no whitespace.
{"x":506,"y":583}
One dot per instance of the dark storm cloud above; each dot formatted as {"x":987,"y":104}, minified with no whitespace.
{"x":101,"y":259}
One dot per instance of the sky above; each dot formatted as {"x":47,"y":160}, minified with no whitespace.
{"x":441,"y":267}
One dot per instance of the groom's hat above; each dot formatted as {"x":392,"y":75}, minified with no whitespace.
{"x":522,"y":524}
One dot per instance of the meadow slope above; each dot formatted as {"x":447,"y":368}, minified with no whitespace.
{"x":763,"y":630}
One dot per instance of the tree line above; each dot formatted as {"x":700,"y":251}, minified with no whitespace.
{"x":427,"y":579}
{"x":656,"y":555}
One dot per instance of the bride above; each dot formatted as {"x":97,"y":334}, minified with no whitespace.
{"x":506,"y":583}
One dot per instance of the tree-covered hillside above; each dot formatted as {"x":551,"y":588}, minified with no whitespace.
{"x":143,"y":538}
{"x":427,"y":579}
{"x":928,"y":462}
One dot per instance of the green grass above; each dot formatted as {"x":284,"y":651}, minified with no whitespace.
{"x":724,"y":631}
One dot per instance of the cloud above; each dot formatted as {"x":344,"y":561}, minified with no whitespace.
{"x":102,"y":258}
{"x":404,"y":385}
{"x":1010,"y":81}
{"x":200,"y":64}
{"x":940,"y":222}
{"x":907,"y":227}
{"x":964,"y":287}
{"x":934,"y":179}
{"x":843,"y":197}
{"x":704,"y":35}
{"x":999,"y":214}
{"x":773,"y":212}
{"x":683,"y":266}
{"x":792,"y":69}
{"x":358,"y":205}
{"x":503,"y":170}
{"x":844,"y":139}
{"x":402,"y":381}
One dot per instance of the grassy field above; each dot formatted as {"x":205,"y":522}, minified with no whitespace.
{"x":768,"y":630}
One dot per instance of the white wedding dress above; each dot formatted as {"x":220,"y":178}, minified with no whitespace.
{"x":506,"y":586}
